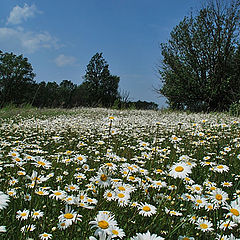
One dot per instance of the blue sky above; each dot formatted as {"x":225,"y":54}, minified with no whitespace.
{"x":59,"y":37}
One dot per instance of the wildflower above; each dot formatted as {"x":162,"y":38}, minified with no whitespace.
{"x":41,"y":192}
{"x":146,"y":236}
{"x":69,"y":200}
{"x":227,"y":224}
{"x":122,"y":197}
{"x":58,"y":194}
{"x":45,"y":236}
{"x":218,"y":196}
{"x":37,"y":214}
{"x":226,"y":184}
{"x":117,"y":232}
{"x":40,"y":162}
{"x":104,"y":222}
{"x":81,"y":159}
{"x":109,"y":195}
{"x":234,"y":210}
{"x":199,"y":202}
{"x":72,"y":187}
{"x":159,"y":184}
{"x":11,"y":192}
{"x":173,"y":212}
{"x":27,"y":197}
{"x":180,"y":170}
{"x":185,"y":238}
{"x":79,"y":176}
{"x":146,"y":209}
{"x":204,"y":225}
{"x":22,"y":215}
{"x":102,"y":179}
{"x":69,"y":217}
{"x":196,"y":188}
{"x":3,"y":229}
{"x":4,"y":199}
{"x":221,"y":168}
{"x":28,"y":228}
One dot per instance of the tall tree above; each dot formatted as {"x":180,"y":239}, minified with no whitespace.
{"x":16,"y":79}
{"x":197,"y":67}
{"x":101,"y":85}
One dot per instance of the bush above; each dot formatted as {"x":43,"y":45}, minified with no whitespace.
{"x":234,"y":109}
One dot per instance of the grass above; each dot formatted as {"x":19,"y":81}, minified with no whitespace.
{"x":122,"y":173}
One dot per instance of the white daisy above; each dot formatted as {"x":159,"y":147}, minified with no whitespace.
{"x":146,"y":209}
{"x":180,"y":170}
{"x":146,"y":236}
{"x":204,"y":225}
{"x":4,"y":199}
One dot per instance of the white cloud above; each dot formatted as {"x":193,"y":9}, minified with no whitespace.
{"x":18,"y":14}
{"x":63,"y":60}
{"x":20,"y":40}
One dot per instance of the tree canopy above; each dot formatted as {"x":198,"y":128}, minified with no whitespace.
{"x":16,"y":79}
{"x":101,"y":85}
{"x":200,"y":67}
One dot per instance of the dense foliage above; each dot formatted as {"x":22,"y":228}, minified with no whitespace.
{"x":200,"y":68}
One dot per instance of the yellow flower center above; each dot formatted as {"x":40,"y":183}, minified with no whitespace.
{"x":72,"y":187}
{"x":80,"y":158}
{"x":103,"y":224}
{"x":115,"y":232}
{"x":68,"y":216}
{"x":121,"y":188}
{"x":41,"y":163}
{"x":40,"y":192}
{"x":131,"y":178}
{"x":159,"y":170}
{"x":109,"y":164}
{"x":36,"y":214}
{"x":121,"y":195}
{"x":109,"y":194}
{"x":179,"y":169}
{"x":220,"y":167}
{"x":23,"y":214}
{"x":218,"y":197}
{"x":45,"y":235}
{"x":146,"y":209}
{"x":199,"y":201}
{"x":197,"y":188}
{"x":103,"y":177}
{"x":203,"y":226}
{"x":186,"y":238}
{"x":57,"y":193}
{"x":234,"y":211}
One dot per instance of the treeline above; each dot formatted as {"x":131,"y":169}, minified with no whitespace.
{"x":99,"y":89}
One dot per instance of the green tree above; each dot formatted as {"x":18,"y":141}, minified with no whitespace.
{"x":198,"y":60}
{"x":16,"y":79}
{"x":101,"y":85}
{"x":66,"y":91}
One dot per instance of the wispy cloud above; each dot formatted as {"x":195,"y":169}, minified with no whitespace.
{"x":20,"y":14}
{"x":20,"y":40}
{"x":63,"y":60}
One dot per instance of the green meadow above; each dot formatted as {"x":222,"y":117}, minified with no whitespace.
{"x":111,"y":174}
